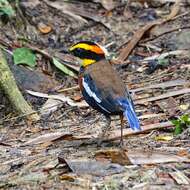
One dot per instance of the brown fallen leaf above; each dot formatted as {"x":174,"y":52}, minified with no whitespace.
{"x":124,"y":157}
{"x":44,"y":29}
{"x":183,"y":153}
{"x":66,"y":177}
{"x":125,"y":52}
{"x":77,"y":98}
{"x":175,"y":10}
{"x":116,"y":156}
{"x":169,"y":106}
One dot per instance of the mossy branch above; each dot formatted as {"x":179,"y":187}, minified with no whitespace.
{"x":9,"y":86}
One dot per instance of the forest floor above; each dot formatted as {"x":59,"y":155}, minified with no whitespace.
{"x":59,"y":151}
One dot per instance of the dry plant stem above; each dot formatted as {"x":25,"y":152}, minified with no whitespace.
{"x":8,"y":84}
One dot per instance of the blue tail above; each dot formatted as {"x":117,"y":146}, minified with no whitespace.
{"x":129,"y":113}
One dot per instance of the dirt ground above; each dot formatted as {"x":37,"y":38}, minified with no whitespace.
{"x":59,"y":151}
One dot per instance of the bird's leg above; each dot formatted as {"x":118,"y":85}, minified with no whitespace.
{"x":105,"y":129}
{"x":122,"y":123}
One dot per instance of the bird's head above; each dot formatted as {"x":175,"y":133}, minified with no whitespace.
{"x":88,"y":52}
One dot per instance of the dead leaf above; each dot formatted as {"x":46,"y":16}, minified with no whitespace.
{"x":77,"y":98}
{"x":58,"y":97}
{"x":184,"y":107}
{"x":169,"y":106}
{"x":139,"y":157}
{"x":66,"y":177}
{"x":125,"y":52}
{"x":44,"y":29}
{"x":183,"y":153}
{"x":50,"y":106}
{"x":47,"y":138}
{"x":164,"y":138}
{"x":174,"y":11}
{"x":53,"y":137}
{"x":116,"y":156}
{"x":67,"y":8}
{"x":92,"y":167}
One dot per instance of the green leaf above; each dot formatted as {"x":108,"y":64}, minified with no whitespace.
{"x":178,"y":130}
{"x":24,"y":56}
{"x":176,"y":122}
{"x":63,"y":68}
{"x":6,"y":8}
{"x":185,"y":119}
{"x":163,"y":61}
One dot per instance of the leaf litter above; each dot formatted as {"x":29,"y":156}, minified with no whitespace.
{"x":60,"y":150}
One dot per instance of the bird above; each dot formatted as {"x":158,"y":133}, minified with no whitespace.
{"x":102,"y":87}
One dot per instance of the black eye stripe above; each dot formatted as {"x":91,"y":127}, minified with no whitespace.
{"x":87,"y":54}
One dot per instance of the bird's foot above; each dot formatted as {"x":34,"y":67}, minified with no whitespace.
{"x":121,"y":143}
{"x":99,"y":142}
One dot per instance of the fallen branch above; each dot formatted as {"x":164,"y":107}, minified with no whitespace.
{"x":90,"y":139}
{"x":116,"y":134}
{"x":162,"y":85}
{"x":163,"y":96}
{"x":125,"y":52}
{"x":61,"y":97}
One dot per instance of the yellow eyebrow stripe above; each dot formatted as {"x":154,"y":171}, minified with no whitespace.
{"x":82,"y":46}
{"x":87,"y":47}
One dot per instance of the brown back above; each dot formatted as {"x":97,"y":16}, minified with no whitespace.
{"x":107,"y":78}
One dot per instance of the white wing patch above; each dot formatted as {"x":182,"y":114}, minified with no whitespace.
{"x":104,"y":108}
{"x":89,"y":91}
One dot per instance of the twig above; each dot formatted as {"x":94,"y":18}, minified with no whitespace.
{"x":58,"y":97}
{"x":68,"y":89}
{"x":114,"y":135}
{"x":125,"y":52}
{"x":167,"y":32}
{"x":162,"y":85}
{"x":163,"y":96}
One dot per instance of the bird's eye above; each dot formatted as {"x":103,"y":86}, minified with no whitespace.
{"x":79,"y":50}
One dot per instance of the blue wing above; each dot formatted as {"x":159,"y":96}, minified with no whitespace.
{"x":97,"y":98}
{"x":129,"y":113}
